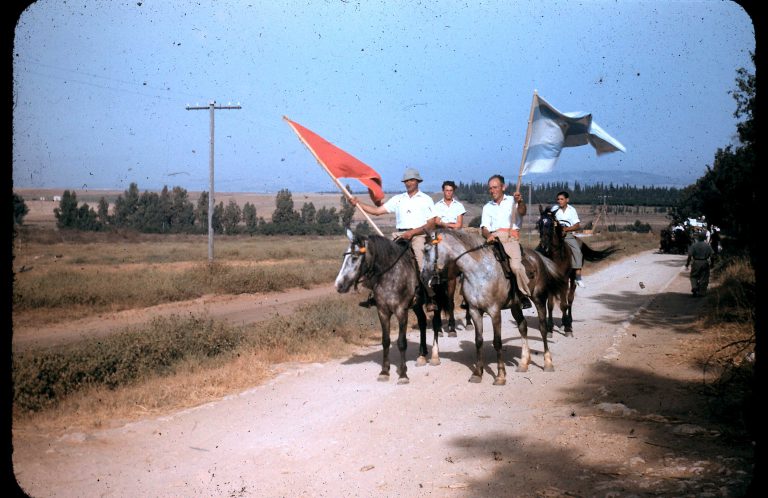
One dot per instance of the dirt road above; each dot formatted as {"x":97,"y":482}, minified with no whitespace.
{"x":620,"y":416}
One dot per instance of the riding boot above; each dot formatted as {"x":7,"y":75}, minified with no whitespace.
{"x":368,"y":302}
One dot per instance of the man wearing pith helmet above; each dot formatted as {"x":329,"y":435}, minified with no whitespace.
{"x":414,"y":213}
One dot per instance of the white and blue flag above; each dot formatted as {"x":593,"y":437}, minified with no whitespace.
{"x":551,"y":130}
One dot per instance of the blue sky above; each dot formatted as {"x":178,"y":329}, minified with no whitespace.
{"x":100,"y":89}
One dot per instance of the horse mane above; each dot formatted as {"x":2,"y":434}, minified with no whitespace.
{"x":468,"y":240}
{"x":384,"y":253}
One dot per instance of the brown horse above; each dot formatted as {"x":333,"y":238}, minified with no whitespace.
{"x":486,"y":289}
{"x":552,"y":244}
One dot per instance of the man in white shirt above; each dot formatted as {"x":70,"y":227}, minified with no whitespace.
{"x":450,"y":212}
{"x":501,"y":220}
{"x":414,"y":215}
{"x":569,"y":219}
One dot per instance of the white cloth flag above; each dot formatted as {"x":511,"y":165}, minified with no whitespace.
{"x":552,"y":130}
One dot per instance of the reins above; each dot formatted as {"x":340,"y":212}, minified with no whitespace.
{"x":369,"y":273}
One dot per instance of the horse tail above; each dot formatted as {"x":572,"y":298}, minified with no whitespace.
{"x":595,"y":255}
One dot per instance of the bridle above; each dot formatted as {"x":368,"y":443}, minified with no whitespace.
{"x":436,"y":270}
{"x":369,"y":272}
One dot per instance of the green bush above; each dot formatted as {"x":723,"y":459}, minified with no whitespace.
{"x":42,"y":378}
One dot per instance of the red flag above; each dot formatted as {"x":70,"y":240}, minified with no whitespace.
{"x":338,"y":163}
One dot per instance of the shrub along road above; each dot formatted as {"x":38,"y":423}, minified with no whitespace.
{"x":623,"y":414}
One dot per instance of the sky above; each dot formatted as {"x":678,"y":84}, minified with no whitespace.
{"x":101,"y":89}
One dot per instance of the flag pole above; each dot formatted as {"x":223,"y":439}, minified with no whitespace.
{"x":335,"y":180}
{"x":527,"y":139}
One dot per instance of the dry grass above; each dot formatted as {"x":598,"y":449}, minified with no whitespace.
{"x":44,"y":253}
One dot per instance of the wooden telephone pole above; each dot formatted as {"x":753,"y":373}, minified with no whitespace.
{"x":211,"y":106}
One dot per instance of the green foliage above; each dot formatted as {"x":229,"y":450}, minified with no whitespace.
{"x":630,"y":195}
{"x":347,"y":211}
{"x":42,"y":378}
{"x":284,"y":212}
{"x":20,"y":209}
{"x":70,"y":216}
{"x":250,"y":219}
{"x":231,"y":217}
{"x":201,"y":211}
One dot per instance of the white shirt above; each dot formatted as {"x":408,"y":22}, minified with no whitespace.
{"x":411,"y":212}
{"x":496,"y":216}
{"x":569,"y":215}
{"x":449,"y":213}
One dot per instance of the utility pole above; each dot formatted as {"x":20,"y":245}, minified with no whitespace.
{"x":211,"y":106}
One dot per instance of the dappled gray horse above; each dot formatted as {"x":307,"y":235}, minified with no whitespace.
{"x":552,"y":245}
{"x":389,"y":269}
{"x":486,"y":289}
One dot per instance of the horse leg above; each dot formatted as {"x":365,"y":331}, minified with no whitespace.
{"x":501,"y":376}
{"x":566,"y":307}
{"x":402,"y":344}
{"x":434,"y":360}
{"x":522,"y":327}
{"x":421,"y":319}
{"x":385,"y":342}
{"x":449,"y":305}
{"x":549,"y":322}
{"x":477,"y":370}
{"x":542,"y":311}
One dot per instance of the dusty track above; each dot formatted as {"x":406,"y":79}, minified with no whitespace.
{"x":620,"y":416}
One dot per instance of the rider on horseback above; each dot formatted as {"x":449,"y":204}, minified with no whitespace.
{"x":569,"y":220}
{"x":414,"y":214}
{"x":497,"y":224}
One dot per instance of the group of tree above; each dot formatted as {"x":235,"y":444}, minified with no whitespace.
{"x":172,"y":211}
{"x":583,"y":194}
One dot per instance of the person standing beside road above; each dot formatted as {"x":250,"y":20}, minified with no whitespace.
{"x":700,"y":252}
{"x":569,"y":219}
{"x":414,"y":215}
{"x":496,"y":223}
{"x":450,"y":212}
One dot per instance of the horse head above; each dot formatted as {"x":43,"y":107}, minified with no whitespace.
{"x":434,"y":259}
{"x":550,"y":231}
{"x":353,"y":265}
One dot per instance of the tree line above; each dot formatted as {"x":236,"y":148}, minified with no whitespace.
{"x":584,"y":194}
{"x":172,"y":211}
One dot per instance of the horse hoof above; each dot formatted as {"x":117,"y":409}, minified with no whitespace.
{"x":522,"y":368}
{"x":434,"y":362}
{"x":403,"y":380}
{"x":569,"y":333}
{"x":383,"y":378}
{"x":500,"y":382}
{"x":452,"y":334}
{"x":469,"y":327}
{"x":475,"y":379}
{"x":549,"y":368}
{"x":421,"y":361}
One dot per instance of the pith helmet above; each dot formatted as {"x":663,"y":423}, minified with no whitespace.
{"x":412,"y":174}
